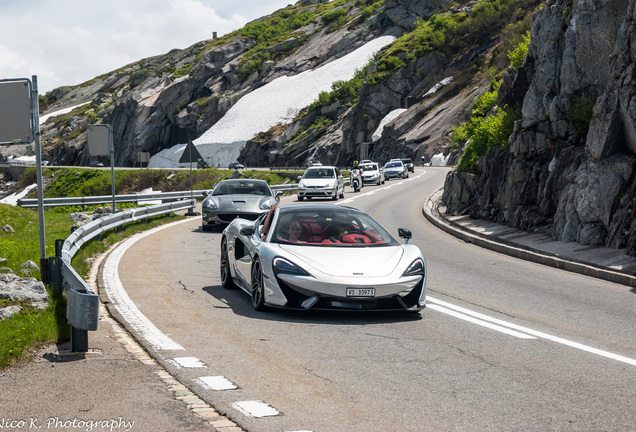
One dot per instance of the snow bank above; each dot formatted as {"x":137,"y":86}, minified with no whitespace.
{"x":277,"y":102}
{"x":439,"y":160}
{"x":45,"y":117}
{"x":386,"y":120}
{"x":13,"y":198}
{"x":439,"y":85}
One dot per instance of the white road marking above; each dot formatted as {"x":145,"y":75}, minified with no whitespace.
{"x":189,"y":362}
{"x":218,"y":383}
{"x":480,"y":322}
{"x":377,"y":188}
{"x":124,"y":305}
{"x":535,"y":333}
{"x":255,"y":409}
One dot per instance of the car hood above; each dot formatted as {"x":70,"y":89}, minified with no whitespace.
{"x":348,"y":261}
{"x":240,"y":201}
{"x":317,"y":182}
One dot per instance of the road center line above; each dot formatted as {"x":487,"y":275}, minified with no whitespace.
{"x":437,"y":303}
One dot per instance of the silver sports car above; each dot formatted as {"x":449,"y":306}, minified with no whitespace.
{"x":232,"y":198}
{"x":320,"y":256}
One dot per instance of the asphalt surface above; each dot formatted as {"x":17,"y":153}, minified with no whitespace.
{"x":116,"y":386}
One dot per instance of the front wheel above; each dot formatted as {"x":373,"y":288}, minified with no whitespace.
{"x":226,"y":276}
{"x":258,"y":290}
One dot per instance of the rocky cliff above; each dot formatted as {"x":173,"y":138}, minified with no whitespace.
{"x":570,"y":168}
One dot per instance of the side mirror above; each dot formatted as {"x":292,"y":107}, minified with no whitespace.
{"x":405,"y":233}
{"x":248,"y":230}
{"x":277,"y":195}
{"x":299,"y":177}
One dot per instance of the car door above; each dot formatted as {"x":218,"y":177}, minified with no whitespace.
{"x":245,"y":246}
{"x":340,"y":181}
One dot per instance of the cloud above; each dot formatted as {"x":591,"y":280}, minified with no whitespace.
{"x":67,"y":42}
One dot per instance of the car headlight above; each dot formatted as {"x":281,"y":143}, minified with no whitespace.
{"x":301,"y":184}
{"x":417,"y":268}
{"x":281,"y":265}
{"x":266,"y":204}
{"x":210,"y":204}
{"x":331,"y":184}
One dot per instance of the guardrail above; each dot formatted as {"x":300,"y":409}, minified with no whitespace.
{"x":82,"y":310}
{"x":138,"y":198}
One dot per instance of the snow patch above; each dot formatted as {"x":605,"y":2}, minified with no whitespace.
{"x":439,"y":85}
{"x":275,"y":103}
{"x":386,"y":120}
{"x":45,"y":117}
{"x":13,"y":198}
{"x":439,"y":160}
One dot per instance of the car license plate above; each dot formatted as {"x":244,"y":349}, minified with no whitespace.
{"x":360,"y":292}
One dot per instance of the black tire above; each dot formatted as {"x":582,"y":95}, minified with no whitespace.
{"x":226,"y":276}
{"x":300,"y":198}
{"x":258,"y":291}
{"x":205,"y":227}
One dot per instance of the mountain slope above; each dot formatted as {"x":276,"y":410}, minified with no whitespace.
{"x":159,"y":102}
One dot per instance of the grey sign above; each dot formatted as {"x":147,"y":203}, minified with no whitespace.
{"x":98,"y":140}
{"x":16,"y":126}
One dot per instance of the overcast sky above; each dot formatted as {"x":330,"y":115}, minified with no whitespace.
{"x":68,"y":42}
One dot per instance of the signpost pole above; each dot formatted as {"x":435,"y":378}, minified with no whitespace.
{"x":35,"y":119}
{"x":111,"y":148}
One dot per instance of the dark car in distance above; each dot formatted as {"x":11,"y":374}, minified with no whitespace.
{"x":236,"y":166}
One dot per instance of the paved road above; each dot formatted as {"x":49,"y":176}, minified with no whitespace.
{"x":504,"y":344}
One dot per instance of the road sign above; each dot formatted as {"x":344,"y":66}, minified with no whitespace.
{"x":190,"y":154}
{"x":16,"y":124}
{"x":99,"y":140}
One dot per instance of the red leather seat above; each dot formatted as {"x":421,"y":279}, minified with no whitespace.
{"x":356,"y":238}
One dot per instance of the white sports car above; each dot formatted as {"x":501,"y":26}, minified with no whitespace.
{"x":320,"y":256}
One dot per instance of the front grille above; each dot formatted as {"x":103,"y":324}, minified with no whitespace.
{"x":295,"y":299}
{"x":229,"y":217}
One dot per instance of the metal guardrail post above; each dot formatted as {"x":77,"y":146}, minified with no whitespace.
{"x":79,"y":340}
{"x":55,"y":273}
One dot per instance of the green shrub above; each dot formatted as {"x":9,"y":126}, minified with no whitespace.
{"x":517,"y":55}
{"x":182,"y":71}
{"x":333,"y":15}
{"x":484,"y":133}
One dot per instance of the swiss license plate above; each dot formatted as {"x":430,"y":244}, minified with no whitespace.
{"x":360,"y":292}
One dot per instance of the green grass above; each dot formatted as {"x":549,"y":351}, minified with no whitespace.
{"x":32,"y":328}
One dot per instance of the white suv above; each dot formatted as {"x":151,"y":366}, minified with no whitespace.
{"x":321,"y":182}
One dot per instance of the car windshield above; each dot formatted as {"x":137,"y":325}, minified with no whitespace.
{"x":241,"y":188}
{"x":369,"y":167}
{"x":393,"y":165}
{"x":329,"y":228}
{"x":319,"y":173}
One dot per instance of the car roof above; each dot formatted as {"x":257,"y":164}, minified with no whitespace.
{"x":242,"y":180}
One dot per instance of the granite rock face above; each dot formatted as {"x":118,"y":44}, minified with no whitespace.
{"x":570,"y":169}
